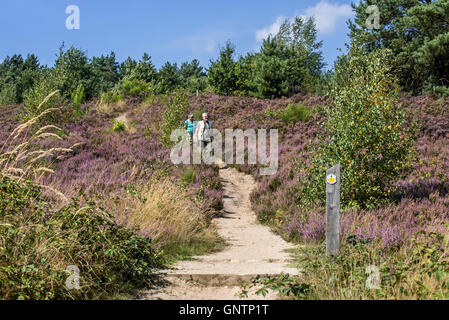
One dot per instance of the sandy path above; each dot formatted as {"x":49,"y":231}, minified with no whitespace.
{"x":252,"y":250}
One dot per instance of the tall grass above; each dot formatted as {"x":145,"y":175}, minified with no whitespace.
{"x":174,"y":220}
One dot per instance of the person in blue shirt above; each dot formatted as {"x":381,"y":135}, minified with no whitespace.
{"x":189,"y":125}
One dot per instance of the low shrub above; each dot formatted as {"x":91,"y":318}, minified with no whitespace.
{"x":118,"y":126}
{"x":295,"y":113}
{"x":177,"y":105}
{"x":134,"y":88}
{"x":7,"y":94}
{"x":34,"y":100}
{"x":111,"y":97}
{"x":37,"y":244}
{"x":77,"y":99}
{"x":188,"y":175}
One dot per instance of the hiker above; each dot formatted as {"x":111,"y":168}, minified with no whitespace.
{"x":202,"y":134}
{"x":189,"y":125}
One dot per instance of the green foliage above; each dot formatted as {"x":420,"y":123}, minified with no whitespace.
{"x":48,"y":82}
{"x":127,"y":67}
{"x":118,"y":126}
{"x":419,"y":271}
{"x":243,"y":72}
{"x":221,"y":74}
{"x":284,"y":284}
{"x":295,"y":113}
{"x":188,"y":176}
{"x":169,"y":77}
{"x":16,"y":77}
{"x":323,"y":83}
{"x":144,"y":71}
{"x":37,"y":245}
{"x":177,"y":105}
{"x":133,"y":88}
{"x":269,"y":77}
{"x":288,"y":63}
{"x":193,"y":77}
{"x":7,"y":94}
{"x":105,"y":72}
{"x":77,"y":98}
{"x":302,"y":53}
{"x":72,"y":66}
{"x":368,"y":136}
{"x":111,"y":97}
{"x":417,"y":32}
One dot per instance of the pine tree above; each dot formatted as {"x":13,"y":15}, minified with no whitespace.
{"x":221,"y":74}
{"x":169,"y":77}
{"x":417,"y":32}
{"x":269,"y":76}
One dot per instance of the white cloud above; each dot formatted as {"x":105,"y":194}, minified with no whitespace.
{"x":270,"y":30}
{"x":327,"y":17}
{"x":201,"y":43}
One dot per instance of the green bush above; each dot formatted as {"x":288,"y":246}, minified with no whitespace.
{"x":118,"y":126}
{"x":77,"y":98}
{"x":176,"y":107}
{"x":295,"y":113}
{"x":111,"y":97}
{"x":134,"y":88}
{"x":48,"y":82}
{"x":188,"y":176}
{"x":7,"y":94}
{"x":367,"y":129}
{"x":38,"y":244}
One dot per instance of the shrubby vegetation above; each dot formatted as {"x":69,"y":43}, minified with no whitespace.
{"x":367,"y":132}
{"x":38,"y":244}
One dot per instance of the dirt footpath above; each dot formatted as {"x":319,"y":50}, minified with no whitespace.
{"x":252,"y":249}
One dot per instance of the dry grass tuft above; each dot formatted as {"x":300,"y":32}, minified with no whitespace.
{"x":19,"y":159}
{"x":173,"y":220}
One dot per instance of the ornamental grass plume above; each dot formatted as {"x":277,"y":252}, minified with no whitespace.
{"x":20,"y":157}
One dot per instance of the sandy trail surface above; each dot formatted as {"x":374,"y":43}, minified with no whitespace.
{"x":252,"y":249}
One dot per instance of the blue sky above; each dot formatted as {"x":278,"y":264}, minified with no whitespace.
{"x":168,"y":30}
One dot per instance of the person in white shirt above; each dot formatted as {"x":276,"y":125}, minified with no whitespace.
{"x":202,"y":133}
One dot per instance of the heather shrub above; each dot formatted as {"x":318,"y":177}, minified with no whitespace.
{"x":40,"y":235}
{"x":368,"y":133}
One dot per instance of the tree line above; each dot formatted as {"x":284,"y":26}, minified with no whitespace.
{"x":290,"y":62}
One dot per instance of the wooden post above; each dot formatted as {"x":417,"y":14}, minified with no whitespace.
{"x":333,"y":211}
